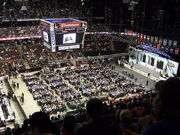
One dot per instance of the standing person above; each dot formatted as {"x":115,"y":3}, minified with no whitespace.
{"x":13,"y":96}
{"x":22,"y":98}
{"x":147,"y":82}
{"x":14,"y":85}
{"x":17,"y":85}
{"x":136,"y":79}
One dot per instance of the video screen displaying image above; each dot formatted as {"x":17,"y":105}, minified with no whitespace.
{"x":45,"y":36}
{"x":69,"y":38}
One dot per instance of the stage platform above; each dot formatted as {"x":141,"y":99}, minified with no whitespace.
{"x":154,"y":75}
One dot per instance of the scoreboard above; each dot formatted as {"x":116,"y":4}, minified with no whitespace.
{"x":63,"y":34}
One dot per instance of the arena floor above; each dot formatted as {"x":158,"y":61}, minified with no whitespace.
{"x":30,"y":105}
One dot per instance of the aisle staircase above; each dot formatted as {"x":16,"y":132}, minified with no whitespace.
{"x":21,"y":52}
{"x":112,"y":45}
{"x":97,"y":47}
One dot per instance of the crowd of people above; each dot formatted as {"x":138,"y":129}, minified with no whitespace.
{"x":3,"y":69}
{"x":20,"y":31}
{"x":46,"y":10}
{"x":6,"y":112}
{"x":97,"y":43}
{"x":71,"y":87}
{"x":101,"y":100}
{"x":9,"y":56}
{"x":59,"y":89}
{"x":148,"y":114}
{"x":99,"y":27}
{"x":43,"y":95}
{"x":103,"y":42}
{"x":34,"y":31}
{"x":34,"y":55}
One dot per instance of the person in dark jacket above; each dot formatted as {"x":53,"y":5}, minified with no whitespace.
{"x":168,"y":111}
{"x":96,"y":125}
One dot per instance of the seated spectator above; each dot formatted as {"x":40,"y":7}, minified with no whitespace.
{"x":69,"y":125}
{"x":126,"y":120}
{"x":145,"y":122}
{"x":40,"y":124}
{"x":96,"y":125}
{"x":169,"y":104}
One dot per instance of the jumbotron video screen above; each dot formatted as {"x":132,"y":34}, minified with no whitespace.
{"x":69,"y":36}
{"x":63,"y":34}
